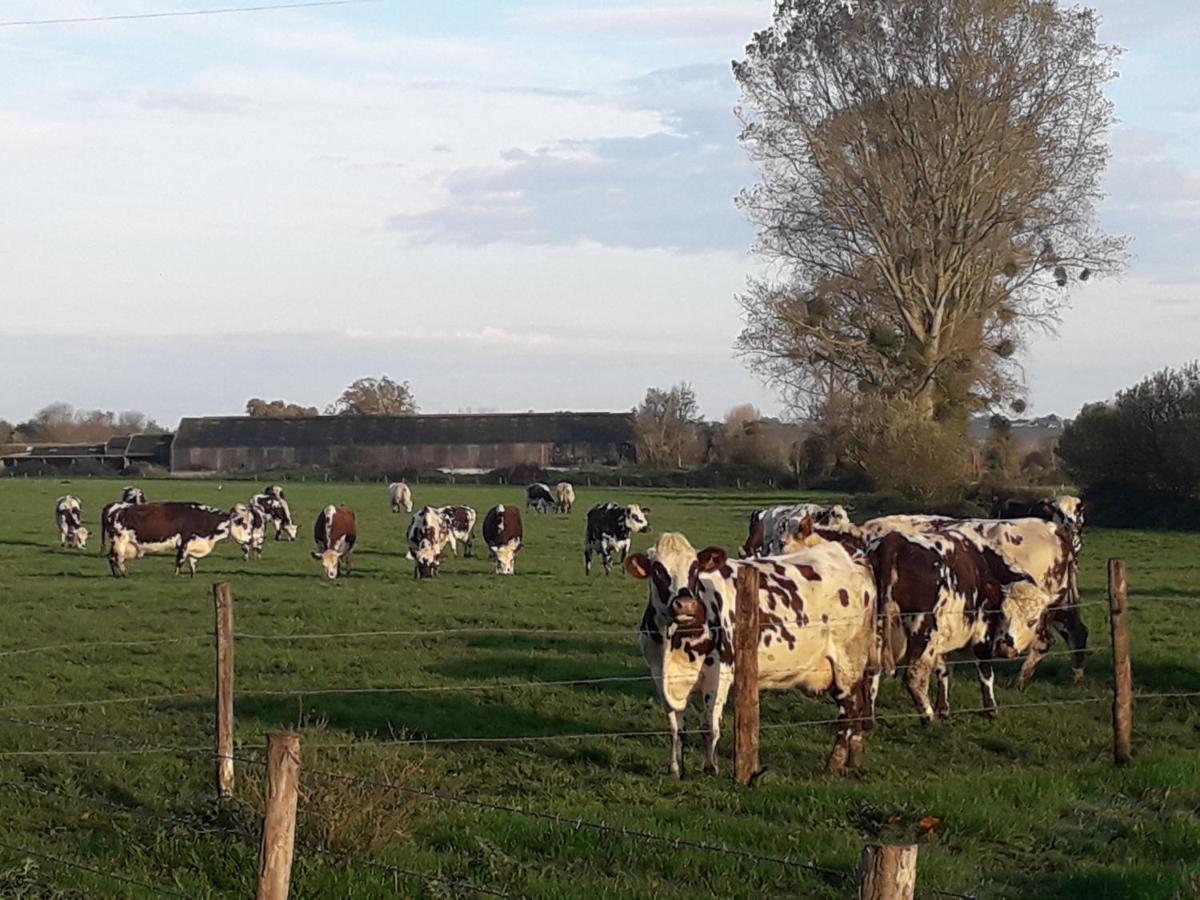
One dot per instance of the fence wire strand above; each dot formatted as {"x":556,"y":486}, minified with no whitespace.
{"x":75,"y":864}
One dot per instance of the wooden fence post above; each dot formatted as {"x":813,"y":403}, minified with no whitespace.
{"x":1122,"y":710}
{"x":223,"y":604}
{"x":745,"y":676}
{"x":279,"y":820}
{"x":888,"y":873}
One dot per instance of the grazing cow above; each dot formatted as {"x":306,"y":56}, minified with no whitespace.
{"x":1062,"y":510}
{"x":335,"y":532}
{"x":503,"y":534}
{"x":817,"y":613}
{"x":274,"y":510}
{"x":427,"y":535}
{"x":539,"y":498}
{"x":131,"y":494}
{"x":937,"y":595}
{"x":256,"y":532}
{"x":68,"y":516}
{"x":192,"y":530}
{"x":400,"y":497}
{"x":609,"y":528}
{"x":1040,"y":553}
{"x":564,"y":496}
{"x":769,"y":526}
{"x":460,"y":526}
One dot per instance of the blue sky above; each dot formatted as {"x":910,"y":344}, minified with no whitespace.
{"x":513,"y":205}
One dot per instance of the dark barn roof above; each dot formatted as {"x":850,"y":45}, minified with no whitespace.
{"x":324,"y":431}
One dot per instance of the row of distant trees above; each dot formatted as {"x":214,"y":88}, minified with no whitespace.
{"x":61,"y":423}
{"x":365,"y":397}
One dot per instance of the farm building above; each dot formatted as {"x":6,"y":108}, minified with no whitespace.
{"x":117,"y":452}
{"x":451,"y":442}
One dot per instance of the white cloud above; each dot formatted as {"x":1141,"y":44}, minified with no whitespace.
{"x":657,"y":19}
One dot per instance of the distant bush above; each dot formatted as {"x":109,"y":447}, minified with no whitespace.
{"x":1139,"y":456}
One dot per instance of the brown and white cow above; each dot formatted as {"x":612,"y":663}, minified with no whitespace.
{"x":460,"y":526}
{"x":503,"y":533}
{"x":335,"y":533}
{"x":256,"y":533}
{"x":564,"y":497}
{"x":192,"y":530}
{"x":817,"y":612}
{"x":273,"y":507}
{"x":769,"y":526}
{"x":1063,"y":509}
{"x":400,"y":497}
{"x":68,"y":516}
{"x":427,"y":535}
{"x":938,"y":594}
{"x":1041,"y":553}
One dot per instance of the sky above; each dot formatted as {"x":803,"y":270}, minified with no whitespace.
{"x":512,"y":204}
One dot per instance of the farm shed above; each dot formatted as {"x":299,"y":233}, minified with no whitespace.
{"x":118,"y":452}
{"x":451,"y":442}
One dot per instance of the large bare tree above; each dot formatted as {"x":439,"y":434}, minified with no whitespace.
{"x":928,"y":177}
{"x":665,"y":426}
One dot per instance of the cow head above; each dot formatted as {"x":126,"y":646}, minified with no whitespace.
{"x":1067,"y":510}
{"x":506,"y":557}
{"x":132,"y":494}
{"x":635,"y":518}
{"x":331,"y":559}
{"x":79,"y":537}
{"x":673,"y":568}
{"x":799,"y":534}
{"x":1020,"y":621}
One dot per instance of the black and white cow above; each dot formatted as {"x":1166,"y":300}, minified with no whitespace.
{"x":770,"y":525}
{"x":68,"y":516}
{"x":256,"y":535}
{"x":427,"y":535}
{"x":539,"y":498}
{"x":504,"y":534}
{"x":131,"y":494}
{"x":191,"y":530}
{"x":609,"y":529}
{"x":274,"y":509}
{"x":460,"y":526}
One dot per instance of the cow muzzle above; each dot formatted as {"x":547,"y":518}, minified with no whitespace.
{"x":1005,"y":649}
{"x":687,"y":611}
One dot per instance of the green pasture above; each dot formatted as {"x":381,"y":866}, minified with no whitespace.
{"x":1027,"y":806}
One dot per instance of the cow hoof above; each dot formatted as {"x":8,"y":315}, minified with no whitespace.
{"x":710,"y":769}
{"x":943,"y":714}
{"x":1076,"y":677}
{"x":990,"y":711}
{"x":1021,"y":683}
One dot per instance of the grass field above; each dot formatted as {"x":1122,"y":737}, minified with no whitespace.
{"x":1028,"y":805}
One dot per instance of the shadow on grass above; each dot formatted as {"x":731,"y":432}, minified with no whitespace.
{"x":413,"y":716}
{"x":1126,"y":884}
{"x":521,"y":667}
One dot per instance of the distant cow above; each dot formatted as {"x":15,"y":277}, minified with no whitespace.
{"x":131,"y":494}
{"x":274,"y":510}
{"x":427,"y":534}
{"x":256,"y":532}
{"x":1063,"y":510}
{"x":68,"y":516}
{"x":564,"y":496}
{"x":400,"y":497}
{"x":539,"y":498}
{"x":818,"y":633}
{"x":460,"y":526}
{"x":192,"y":530}
{"x":769,"y":526}
{"x":334,"y":533}
{"x":503,"y":533}
{"x":609,"y":529}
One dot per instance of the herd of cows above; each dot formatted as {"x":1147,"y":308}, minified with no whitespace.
{"x":840,"y":604}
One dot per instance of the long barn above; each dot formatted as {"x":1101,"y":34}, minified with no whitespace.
{"x":452,"y":442}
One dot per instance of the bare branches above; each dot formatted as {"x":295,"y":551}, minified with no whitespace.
{"x":928,"y":174}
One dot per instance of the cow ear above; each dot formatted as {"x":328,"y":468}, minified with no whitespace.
{"x":806,"y":527}
{"x":316,"y":555}
{"x":711,"y":559}
{"x":637,"y":565}
{"x":408,"y":555}
{"x":647,"y":509}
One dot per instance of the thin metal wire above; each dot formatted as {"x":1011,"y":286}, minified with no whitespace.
{"x":112,"y":701}
{"x":88,"y":645}
{"x":409,"y":873}
{"x":112,"y":876}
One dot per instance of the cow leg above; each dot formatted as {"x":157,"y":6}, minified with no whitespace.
{"x":1069,"y":623}
{"x":861,"y":722}
{"x":942,"y":707}
{"x":918,"y":663}
{"x":987,"y":687}
{"x":676,"y":721}
{"x":1036,"y":652}
{"x":469,"y":546}
{"x":606,"y":557}
{"x":714,"y":706}
{"x":840,"y":755}
{"x":587,"y":560}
